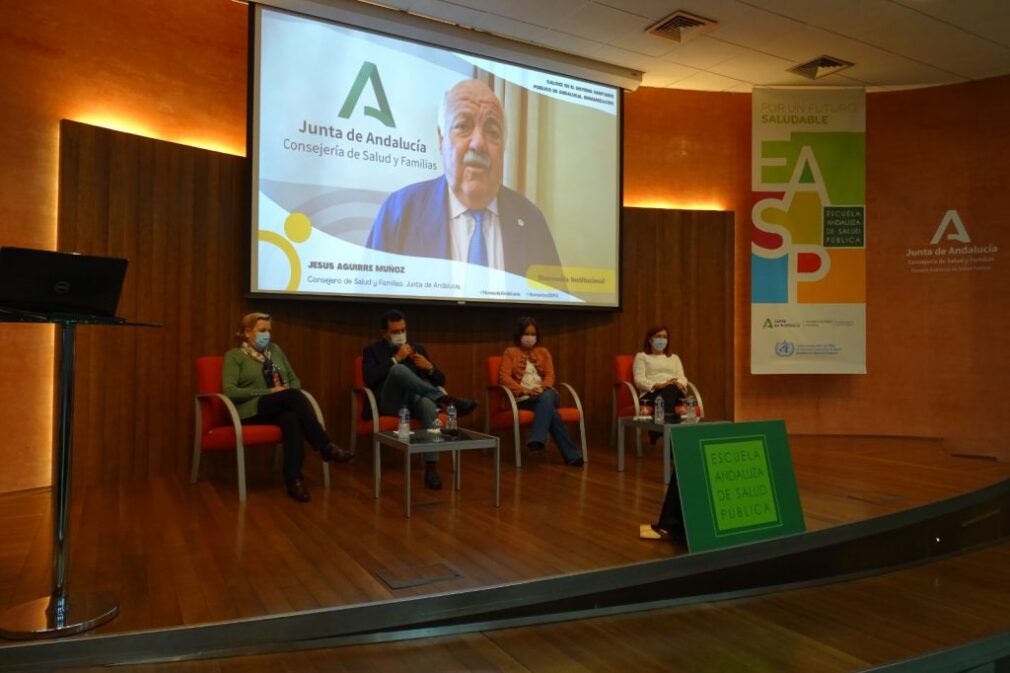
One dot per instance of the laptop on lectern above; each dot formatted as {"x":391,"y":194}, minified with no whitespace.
{"x":71,"y":284}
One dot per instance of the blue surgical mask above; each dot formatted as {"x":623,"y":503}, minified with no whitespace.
{"x":261,"y":341}
{"x":659,"y":344}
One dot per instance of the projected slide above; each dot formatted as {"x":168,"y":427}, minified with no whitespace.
{"x":387,"y":168}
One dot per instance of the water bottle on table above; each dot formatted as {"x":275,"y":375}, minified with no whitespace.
{"x":403,"y":431}
{"x":451,"y":416}
{"x":659,"y":413}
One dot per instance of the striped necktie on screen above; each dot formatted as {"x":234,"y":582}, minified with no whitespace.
{"x":478,"y":250}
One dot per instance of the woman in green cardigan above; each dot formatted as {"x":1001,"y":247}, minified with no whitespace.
{"x":258,"y":378}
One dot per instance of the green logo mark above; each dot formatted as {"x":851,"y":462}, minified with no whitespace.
{"x":368,"y":73}
{"x":767,"y":323}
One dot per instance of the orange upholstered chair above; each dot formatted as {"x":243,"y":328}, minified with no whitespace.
{"x":362,"y":395}
{"x":502,"y":412}
{"x":218,"y":427}
{"x":624,"y":396}
{"x":624,"y":400}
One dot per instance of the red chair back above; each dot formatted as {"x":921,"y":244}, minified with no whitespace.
{"x":359,"y":382}
{"x":623,"y":365}
{"x":496,"y":398}
{"x":208,"y":381}
{"x":366,"y":425}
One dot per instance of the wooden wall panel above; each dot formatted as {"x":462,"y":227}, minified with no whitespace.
{"x":172,"y":69}
{"x":179,"y":215}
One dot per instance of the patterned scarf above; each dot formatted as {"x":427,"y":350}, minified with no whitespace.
{"x":271,"y":375}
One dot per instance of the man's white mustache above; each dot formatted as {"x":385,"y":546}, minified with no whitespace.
{"x":478,"y":159}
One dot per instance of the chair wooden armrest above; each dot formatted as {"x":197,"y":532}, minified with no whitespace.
{"x":575,"y":395}
{"x":228,"y":404}
{"x":615,"y":391}
{"x":582,"y":418}
{"x":631,"y":391}
{"x":515,"y":416}
{"x":239,"y":444}
{"x":509,"y":395}
{"x":315,"y":407}
{"x":319,"y":417}
{"x":372,"y":406}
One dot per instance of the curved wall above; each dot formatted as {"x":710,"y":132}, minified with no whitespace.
{"x":937,"y":343}
{"x":176,"y":70}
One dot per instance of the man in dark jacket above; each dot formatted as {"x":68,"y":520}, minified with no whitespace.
{"x":400,"y":374}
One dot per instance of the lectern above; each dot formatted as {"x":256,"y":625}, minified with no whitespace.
{"x":38,"y":286}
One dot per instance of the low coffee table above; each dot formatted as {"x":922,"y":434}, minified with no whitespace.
{"x":423,"y":442}
{"x":649,"y":423}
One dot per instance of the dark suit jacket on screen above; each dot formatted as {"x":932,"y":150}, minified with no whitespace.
{"x":415,"y":221}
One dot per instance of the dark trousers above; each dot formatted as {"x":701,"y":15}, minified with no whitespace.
{"x":297,"y":419}
{"x":672,"y":397}
{"x":671,"y":515}
{"x":547,"y":419}
{"x":404,"y":387}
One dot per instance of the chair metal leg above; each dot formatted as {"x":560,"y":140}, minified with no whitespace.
{"x":613,"y":416}
{"x":515,"y":434}
{"x":195,"y":471}
{"x":582,"y":431}
{"x":240,"y":462}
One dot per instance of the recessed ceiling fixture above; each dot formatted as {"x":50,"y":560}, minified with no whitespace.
{"x":822,"y":66}
{"x":682,"y":26}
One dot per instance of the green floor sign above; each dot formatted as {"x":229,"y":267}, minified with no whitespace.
{"x":736,"y":483}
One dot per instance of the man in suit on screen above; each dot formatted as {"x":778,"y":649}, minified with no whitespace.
{"x":467,"y":214}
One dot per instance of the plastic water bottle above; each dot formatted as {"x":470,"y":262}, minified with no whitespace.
{"x":403,"y":432}
{"x":691,"y":409}
{"x":450,"y":418}
{"x":659,"y":414}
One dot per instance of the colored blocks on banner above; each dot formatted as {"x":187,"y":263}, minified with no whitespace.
{"x":845,"y":282}
{"x":769,"y":280}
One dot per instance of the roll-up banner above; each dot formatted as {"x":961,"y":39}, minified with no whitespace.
{"x":808,"y":233}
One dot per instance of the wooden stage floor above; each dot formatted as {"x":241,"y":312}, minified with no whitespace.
{"x":175,"y":554}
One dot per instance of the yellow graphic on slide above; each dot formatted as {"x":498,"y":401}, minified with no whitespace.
{"x":571,"y":279}
{"x":297,"y":228}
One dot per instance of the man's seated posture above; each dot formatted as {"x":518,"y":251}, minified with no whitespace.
{"x":400,"y":374}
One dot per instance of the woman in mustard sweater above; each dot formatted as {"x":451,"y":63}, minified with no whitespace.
{"x":258,"y":378}
{"x":528,"y":371}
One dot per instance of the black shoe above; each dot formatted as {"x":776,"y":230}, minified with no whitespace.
{"x":464,"y":405}
{"x":297,"y":491}
{"x":578,"y":462}
{"x":535,"y":447}
{"x":432,"y":481}
{"x":334,"y":454}
{"x":675,"y":533}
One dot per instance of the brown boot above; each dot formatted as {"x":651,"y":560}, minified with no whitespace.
{"x":334,"y":454}
{"x":297,"y":491}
